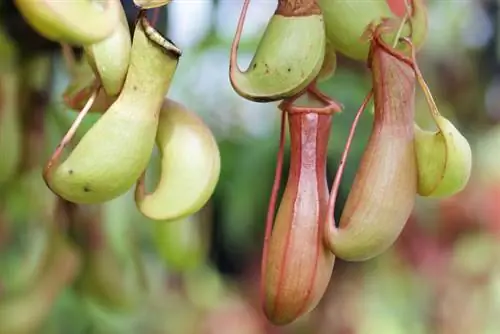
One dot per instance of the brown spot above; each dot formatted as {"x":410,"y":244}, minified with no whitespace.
{"x":254,"y":66}
{"x":70,"y":172}
{"x":86,"y":189}
{"x":289,"y":69}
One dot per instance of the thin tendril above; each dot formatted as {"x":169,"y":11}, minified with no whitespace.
{"x":236,"y":41}
{"x":400,"y":30}
{"x":70,"y":134}
{"x":420,"y":78}
{"x":408,"y":15}
{"x":340,"y":170}
{"x":272,"y":203}
{"x":408,"y":7}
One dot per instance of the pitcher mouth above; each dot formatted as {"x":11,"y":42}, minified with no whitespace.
{"x":167,"y":45}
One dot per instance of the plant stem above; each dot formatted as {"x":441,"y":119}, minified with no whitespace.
{"x":340,"y":170}
{"x":272,"y":203}
{"x":69,"y":135}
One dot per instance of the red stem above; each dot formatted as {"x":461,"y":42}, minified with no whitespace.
{"x":272,"y":203}
{"x":340,"y":170}
{"x":233,"y":60}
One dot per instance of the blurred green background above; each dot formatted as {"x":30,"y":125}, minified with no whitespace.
{"x":122,"y":273}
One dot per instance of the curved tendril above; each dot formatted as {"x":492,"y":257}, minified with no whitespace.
{"x":233,"y":61}
{"x":272,"y":202}
{"x":400,"y":30}
{"x":340,"y":170}
{"x":70,"y":134}
{"x":420,"y":78}
{"x":409,"y":10}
